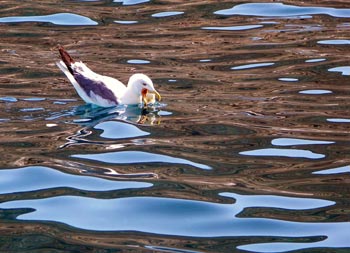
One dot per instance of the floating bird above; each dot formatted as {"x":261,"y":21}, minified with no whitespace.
{"x":103,"y":90}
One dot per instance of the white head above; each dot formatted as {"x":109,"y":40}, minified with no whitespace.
{"x":142,"y":86}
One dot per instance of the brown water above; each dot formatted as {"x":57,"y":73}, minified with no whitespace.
{"x":248,"y":151}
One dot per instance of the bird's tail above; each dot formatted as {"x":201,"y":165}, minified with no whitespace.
{"x":66,"y":58}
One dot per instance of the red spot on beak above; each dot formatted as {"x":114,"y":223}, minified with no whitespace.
{"x":144,"y":96}
{"x":144,"y":92}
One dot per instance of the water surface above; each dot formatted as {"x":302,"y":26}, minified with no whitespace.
{"x":247,"y":152}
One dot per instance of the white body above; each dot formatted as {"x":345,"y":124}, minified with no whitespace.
{"x":125,"y":95}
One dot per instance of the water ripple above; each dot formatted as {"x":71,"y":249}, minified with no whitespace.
{"x":232,"y":28}
{"x":269,"y":82}
{"x":343,"y":169}
{"x":124,"y":130}
{"x":68,"y":19}
{"x":281,"y":10}
{"x":9,"y":99}
{"x":338,"y":120}
{"x":182,"y":217}
{"x":315,"y":60}
{"x":167,"y":14}
{"x":288,"y":79}
{"x":253,"y":65}
{"x":126,"y":22}
{"x":35,"y":178}
{"x":167,"y":215}
{"x":294,"y":141}
{"x":334,"y":42}
{"x":138,"y":61}
{"x":130,"y":157}
{"x":344,"y":70}
{"x":292,"y":153}
{"x":131,"y":2}
{"x":315,"y":92}
{"x":273,"y":201}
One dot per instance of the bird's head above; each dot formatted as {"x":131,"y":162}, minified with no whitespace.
{"x":143,"y":86}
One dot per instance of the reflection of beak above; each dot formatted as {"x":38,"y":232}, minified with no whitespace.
{"x":148,"y":96}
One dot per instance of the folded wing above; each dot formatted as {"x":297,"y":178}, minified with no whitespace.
{"x":91,"y":87}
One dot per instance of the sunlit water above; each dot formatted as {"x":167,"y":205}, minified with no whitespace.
{"x":248,"y":151}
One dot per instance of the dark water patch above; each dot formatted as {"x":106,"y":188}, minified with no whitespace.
{"x":13,"y":144}
{"x":20,"y":35}
{"x":38,"y":74}
{"x":220,"y":129}
{"x":128,"y":46}
{"x":10,"y":70}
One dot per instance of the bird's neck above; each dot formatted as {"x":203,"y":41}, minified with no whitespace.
{"x":131,"y":96}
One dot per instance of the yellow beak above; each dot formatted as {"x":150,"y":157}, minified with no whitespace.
{"x":157,"y":95}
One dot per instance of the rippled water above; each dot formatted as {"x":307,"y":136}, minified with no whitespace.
{"x":248,"y":151}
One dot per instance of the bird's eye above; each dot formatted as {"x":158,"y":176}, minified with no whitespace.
{"x":144,"y":84}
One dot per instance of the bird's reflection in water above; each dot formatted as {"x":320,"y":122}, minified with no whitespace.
{"x":89,"y":116}
{"x":120,"y":127}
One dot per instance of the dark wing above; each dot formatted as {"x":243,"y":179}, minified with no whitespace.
{"x":89,"y":82}
{"x":94,"y":87}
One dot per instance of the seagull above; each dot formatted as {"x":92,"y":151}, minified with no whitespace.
{"x":106,"y":91}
